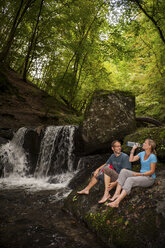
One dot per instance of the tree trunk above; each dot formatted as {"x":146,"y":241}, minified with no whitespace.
{"x":32,"y":43}
{"x":18,"y":18}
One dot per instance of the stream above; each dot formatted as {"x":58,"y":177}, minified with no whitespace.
{"x":31,"y":204}
{"x":37,"y":220}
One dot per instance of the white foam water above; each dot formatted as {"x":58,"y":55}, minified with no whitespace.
{"x":46,"y":151}
{"x":17,"y":177}
{"x":13,"y":155}
{"x":36,"y":184}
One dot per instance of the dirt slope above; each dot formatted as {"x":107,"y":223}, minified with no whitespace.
{"x":23,"y":104}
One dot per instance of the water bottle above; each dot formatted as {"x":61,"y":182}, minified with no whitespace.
{"x":131,"y":144}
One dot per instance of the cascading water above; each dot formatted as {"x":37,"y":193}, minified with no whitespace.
{"x":56,"y":151}
{"x":13,"y":157}
{"x":54,"y":168}
{"x":30,"y":218}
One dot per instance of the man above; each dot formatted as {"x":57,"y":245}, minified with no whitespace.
{"x":118,"y":160}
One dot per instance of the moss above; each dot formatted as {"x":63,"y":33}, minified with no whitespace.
{"x":115,"y":228}
{"x":107,"y":92}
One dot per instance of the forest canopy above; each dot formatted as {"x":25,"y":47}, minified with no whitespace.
{"x":70,"y":48}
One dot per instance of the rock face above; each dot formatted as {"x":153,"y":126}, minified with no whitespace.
{"x":31,"y":145}
{"x":86,"y":166}
{"x":138,"y":222}
{"x":110,"y":116}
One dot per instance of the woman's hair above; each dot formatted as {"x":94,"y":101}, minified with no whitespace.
{"x":153,"y":145}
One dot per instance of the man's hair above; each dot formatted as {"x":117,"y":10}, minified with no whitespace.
{"x":113,"y":143}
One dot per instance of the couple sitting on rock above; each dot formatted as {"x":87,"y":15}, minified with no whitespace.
{"x":117,"y":172}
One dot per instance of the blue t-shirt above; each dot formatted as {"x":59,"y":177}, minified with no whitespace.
{"x":146,"y":164}
{"x":120,"y":162}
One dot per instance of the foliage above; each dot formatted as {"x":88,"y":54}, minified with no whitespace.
{"x":71,"y":48}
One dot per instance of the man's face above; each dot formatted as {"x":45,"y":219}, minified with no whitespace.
{"x":117,"y":148}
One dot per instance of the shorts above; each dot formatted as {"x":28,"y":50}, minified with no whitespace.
{"x":111,"y":173}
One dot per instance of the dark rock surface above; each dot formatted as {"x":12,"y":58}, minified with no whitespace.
{"x":32,"y":142}
{"x":138,"y":222}
{"x":3,"y":141}
{"x":110,"y":116}
{"x":35,"y":220}
{"x":7,"y":133}
{"x":87,"y":165}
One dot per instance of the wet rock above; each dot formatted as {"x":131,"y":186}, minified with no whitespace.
{"x":3,"y":141}
{"x":110,"y":116}
{"x":86,"y":166}
{"x":32,"y":141}
{"x":35,"y":220}
{"x":7,"y":133}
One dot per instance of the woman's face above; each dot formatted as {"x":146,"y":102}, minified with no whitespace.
{"x":146,"y":145}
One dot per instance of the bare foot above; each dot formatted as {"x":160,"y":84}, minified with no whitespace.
{"x":104,"y":199}
{"x":83,"y":192}
{"x":114,"y":204}
{"x":114,"y":198}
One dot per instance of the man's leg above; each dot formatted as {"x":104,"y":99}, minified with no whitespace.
{"x":123,"y":176}
{"x":92,"y":182}
{"x":117,"y":192}
{"x":110,"y":177}
{"x":106,"y":195}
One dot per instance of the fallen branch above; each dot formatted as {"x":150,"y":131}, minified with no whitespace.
{"x":149,"y":120}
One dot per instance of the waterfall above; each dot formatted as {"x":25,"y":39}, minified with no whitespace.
{"x":56,"y":153}
{"x":13,"y":157}
{"x":46,"y":151}
{"x":54,"y":167}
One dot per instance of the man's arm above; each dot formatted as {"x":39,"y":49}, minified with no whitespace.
{"x":98,"y":169}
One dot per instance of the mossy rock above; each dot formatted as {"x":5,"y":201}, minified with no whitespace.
{"x":157,"y":134}
{"x":138,"y":222}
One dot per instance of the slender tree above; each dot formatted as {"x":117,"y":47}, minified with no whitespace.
{"x":23,"y":7}
{"x":32,"y":42}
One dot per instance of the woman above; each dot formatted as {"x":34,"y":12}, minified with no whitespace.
{"x":128,"y":179}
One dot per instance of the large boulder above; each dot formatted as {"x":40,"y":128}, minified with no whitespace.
{"x":110,"y":116}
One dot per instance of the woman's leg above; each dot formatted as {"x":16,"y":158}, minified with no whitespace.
{"x":120,"y":197}
{"x":142,"y":181}
{"x":124,"y":174}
